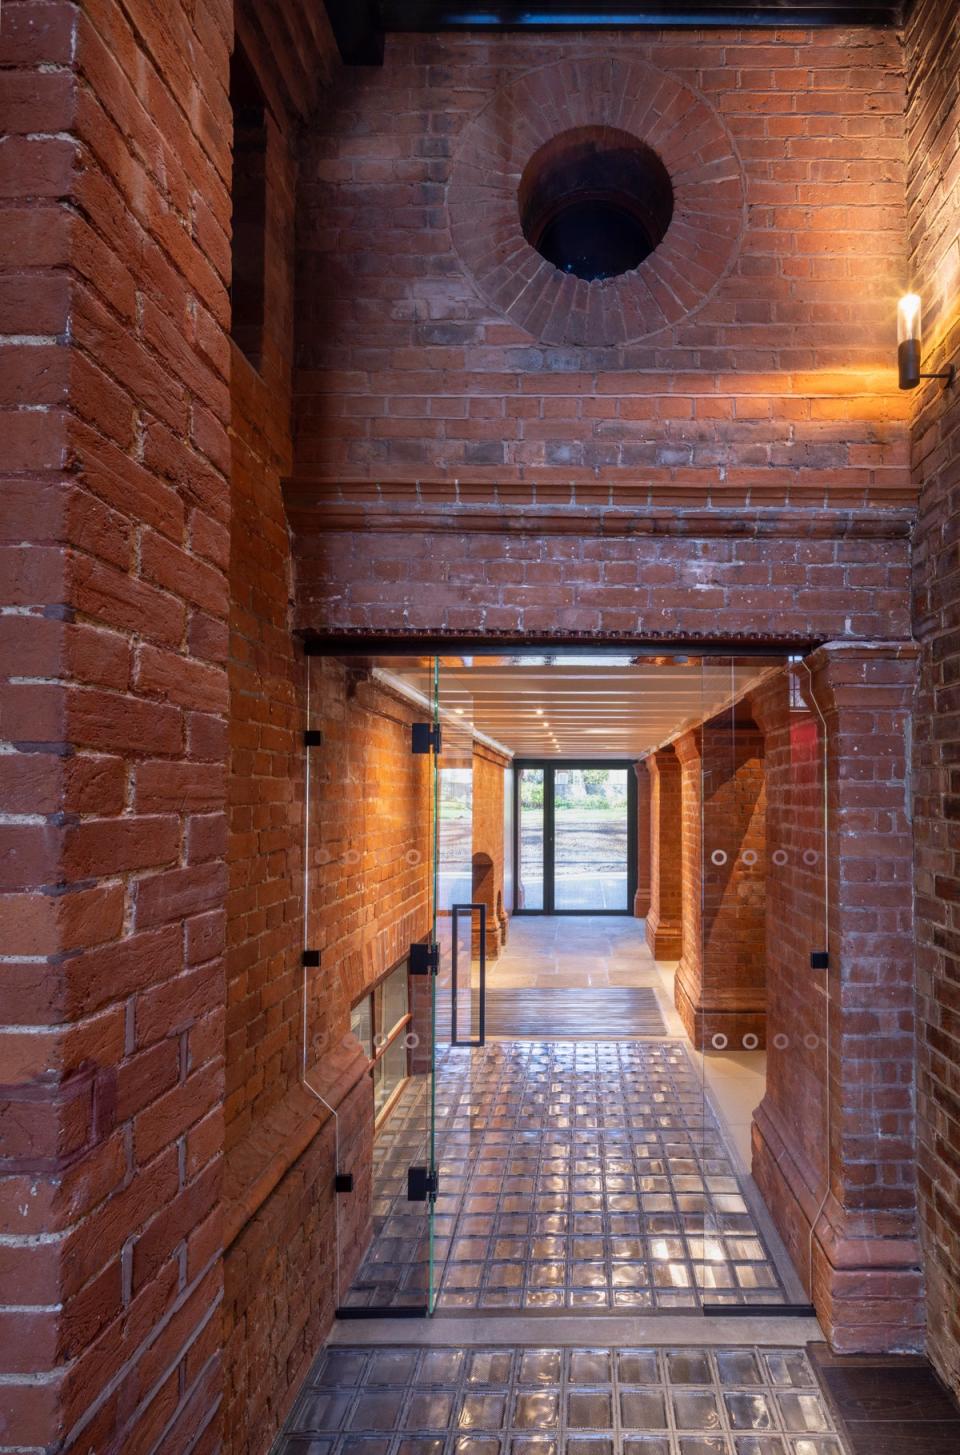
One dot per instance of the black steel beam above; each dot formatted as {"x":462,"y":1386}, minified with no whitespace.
{"x":358,"y":31}
{"x":437,"y":15}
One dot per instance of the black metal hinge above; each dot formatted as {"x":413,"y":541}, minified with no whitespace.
{"x":819,"y":960}
{"x":425,"y":737}
{"x":310,"y":959}
{"x":422,"y":1184}
{"x":343,"y":1182}
{"x":424,"y":959}
{"x":313,"y":738}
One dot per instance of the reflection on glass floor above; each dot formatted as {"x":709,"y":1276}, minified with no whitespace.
{"x":552,"y":1401}
{"x":572,"y":1175}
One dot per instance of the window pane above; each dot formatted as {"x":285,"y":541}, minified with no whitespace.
{"x":394,"y":998}
{"x":590,"y":806}
{"x":361,"y":1024}
{"x":393,"y":1069}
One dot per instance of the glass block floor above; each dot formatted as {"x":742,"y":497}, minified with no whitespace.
{"x":552,"y":1401}
{"x":573,"y":1175}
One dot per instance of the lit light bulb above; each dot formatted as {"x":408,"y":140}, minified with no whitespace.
{"x":908,"y":340}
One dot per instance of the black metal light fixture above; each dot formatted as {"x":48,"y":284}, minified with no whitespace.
{"x":909,"y":311}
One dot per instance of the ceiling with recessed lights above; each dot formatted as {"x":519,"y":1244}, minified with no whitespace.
{"x":581,"y":706}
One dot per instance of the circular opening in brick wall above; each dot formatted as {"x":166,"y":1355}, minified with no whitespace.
{"x":595,"y":201}
{"x":596,"y":128}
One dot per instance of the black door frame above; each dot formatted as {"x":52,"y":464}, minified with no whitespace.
{"x":549,"y":766}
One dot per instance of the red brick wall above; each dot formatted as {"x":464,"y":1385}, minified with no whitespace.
{"x":664,"y":917}
{"x":721,"y":979}
{"x":494,"y":560}
{"x":689,"y":751}
{"x":115,"y":268}
{"x":778,"y":382}
{"x":641,"y":899}
{"x":370,"y":842}
{"x":867,"y":1281}
{"x":488,"y":771}
{"x":267,"y":683}
{"x":293,"y":1245}
{"x":796,"y":1091}
{"x":933,"y":56}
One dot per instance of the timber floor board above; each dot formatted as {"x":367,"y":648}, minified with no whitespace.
{"x":527,"y":1013}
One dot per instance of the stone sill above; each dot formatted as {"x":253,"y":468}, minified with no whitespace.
{"x":256,"y":1165}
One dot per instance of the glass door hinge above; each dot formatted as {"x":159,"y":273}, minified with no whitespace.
{"x":819,"y":960}
{"x":310,"y":959}
{"x":423,"y":1184}
{"x":425,"y":737}
{"x":424,"y":959}
{"x":313,"y":738}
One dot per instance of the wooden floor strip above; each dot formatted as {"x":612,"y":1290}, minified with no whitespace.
{"x":599,"y":1014}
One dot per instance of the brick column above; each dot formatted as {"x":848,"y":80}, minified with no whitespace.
{"x":720,"y":986}
{"x":663,"y":918}
{"x":863,"y":1268}
{"x":488,"y":771}
{"x":641,"y":898}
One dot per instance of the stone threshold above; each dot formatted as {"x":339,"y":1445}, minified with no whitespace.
{"x":602,"y":1330}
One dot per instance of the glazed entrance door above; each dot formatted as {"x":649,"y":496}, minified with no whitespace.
{"x":576,"y":837}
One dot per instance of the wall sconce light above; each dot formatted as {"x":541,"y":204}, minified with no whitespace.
{"x":908,"y":345}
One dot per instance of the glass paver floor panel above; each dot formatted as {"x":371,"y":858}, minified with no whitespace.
{"x":549,"y":1401}
{"x":572,"y":1175}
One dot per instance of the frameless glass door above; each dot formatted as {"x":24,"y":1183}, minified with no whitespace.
{"x":367,"y":1007}
{"x":461,"y":925}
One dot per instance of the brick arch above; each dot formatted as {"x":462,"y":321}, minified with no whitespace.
{"x":596,"y":92}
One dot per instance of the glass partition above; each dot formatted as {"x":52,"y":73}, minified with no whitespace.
{"x":367,"y":1012}
{"x":457,"y":931}
{"x":753,"y":829}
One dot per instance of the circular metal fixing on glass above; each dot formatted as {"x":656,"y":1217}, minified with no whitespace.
{"x":781,"y":1041}
{"x":719,"y":1041}
{"x":811,"y":1041}
{"x":411,"y":1040}
{"x":750,"y":1041}
{"x":749,"y":856}
{"x":810,"y":856}
{"x":413,"y":856}
{"x":780,"y":857}
{"x":351,"y":856}
{"x":379,"y":1041}
{"x":718,"y":857}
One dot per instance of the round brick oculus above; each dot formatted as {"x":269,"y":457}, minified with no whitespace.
{"x":595,"y":201}
{"x":667,"y":168}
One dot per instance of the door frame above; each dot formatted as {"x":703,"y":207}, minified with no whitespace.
{"x":549,"y":765}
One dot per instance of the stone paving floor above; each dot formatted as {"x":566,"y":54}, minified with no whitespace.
{"x":573,"y":1175}
{"x":560,"y":1401}
{"x":575,"y":952}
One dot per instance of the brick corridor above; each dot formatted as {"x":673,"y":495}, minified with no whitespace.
{"x":572,"y":1176}
{"x":552,"y":1401}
